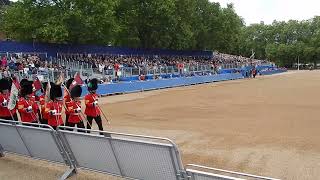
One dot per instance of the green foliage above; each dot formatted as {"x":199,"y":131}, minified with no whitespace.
{"x":173,"y":24}
{"x":284,"y":42}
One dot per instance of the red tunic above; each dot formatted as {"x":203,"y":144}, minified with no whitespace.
{"x":67,"y":100}
{"x":74,"y":117}
{"x":29,"y":117}
{"x":4,"y":111}
{"x":43,"y":105}
{"x":54,"y":120}
{"x":91,"y":110}
{"x":34,"y":103}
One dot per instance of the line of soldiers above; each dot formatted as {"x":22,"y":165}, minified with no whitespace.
{"x":34,"y":106}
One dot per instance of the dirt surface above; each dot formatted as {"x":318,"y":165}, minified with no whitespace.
{"x":267,"y":126}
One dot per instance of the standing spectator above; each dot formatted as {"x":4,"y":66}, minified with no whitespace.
{"x":4,"y":61}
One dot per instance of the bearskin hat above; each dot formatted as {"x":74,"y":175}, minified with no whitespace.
{"x":76,"y":91}
{"x":26,"y":87}
{"x":93,"y":84}
{"x":24,"y":81}
{"x":44,"y":86}
{"x":55,"y":91}
{"x":69,"y":82}
{"x":5,"y":84}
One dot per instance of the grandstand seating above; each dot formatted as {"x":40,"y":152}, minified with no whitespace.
{"x":124,"y":155}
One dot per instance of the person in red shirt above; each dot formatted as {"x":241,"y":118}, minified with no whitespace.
{"x":116,"y":70}
{"x":67,"y":99}
{"x":26,"y":105}
{"x":74,"y":108}
{"x":91,"y":101}
{"x":54,"y":107}
{"x":181,"y":68}
{"x":5,"y":113}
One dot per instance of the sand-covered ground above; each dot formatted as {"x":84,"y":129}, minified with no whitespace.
{"x":268,"y":126}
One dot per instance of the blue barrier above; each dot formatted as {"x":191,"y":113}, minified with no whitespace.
{"x":137,"y":86}
{"x":128,"y":87}
{"x":270,"y":72}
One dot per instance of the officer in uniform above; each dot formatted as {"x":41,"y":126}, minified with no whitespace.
{"x":40,"y":97}
{"x":54,"y":107}
{"x":91,"y":101}
{"x":74,"y":108}
{"x":26,"y":104}
{"x":43,"y":104}
{"x":67,"y":99}
{"x":5,"y":113}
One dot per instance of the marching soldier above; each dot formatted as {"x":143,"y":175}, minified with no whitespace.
{"x":91,"y":101}
{"x":74,"y":108}
{"x":54,"y":107}
{"x":5,"y":113}
{"x":43,"y":104}
{"x":38,"y":97}
{"x":26,"y":104}
{"x":67,"y":99}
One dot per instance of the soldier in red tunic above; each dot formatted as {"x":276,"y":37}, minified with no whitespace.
{"x":43,"y":104}
{"x":54,"y":107}
{"x":91,"y":101}
{"x":26,"y":104}
{"x":5,"y":113}
{"x":67,"y":99}
{"x":74,"y":108}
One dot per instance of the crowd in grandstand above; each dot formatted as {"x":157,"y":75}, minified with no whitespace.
{"x":32,"y":63}
{"x":27,"y":64}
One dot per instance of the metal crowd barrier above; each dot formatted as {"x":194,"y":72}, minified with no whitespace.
{"x":35,"y":141}
{"x":123,"y":155}
{"x":197,"y":172}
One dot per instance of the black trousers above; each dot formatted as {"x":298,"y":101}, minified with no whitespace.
{"x":67,"y":120}
{"x":79,"y":125}
{"x":98,"y":121}
{"x":43,"y":121}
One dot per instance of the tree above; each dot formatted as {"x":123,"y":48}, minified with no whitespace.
{"x":72,"y":21}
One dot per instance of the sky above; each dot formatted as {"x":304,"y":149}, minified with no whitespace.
{"x":255,"y":11}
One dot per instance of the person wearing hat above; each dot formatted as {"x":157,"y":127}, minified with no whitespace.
{"x":67,"y":99}
{"x":26,"y":104}
{"x":54,"y":107}
{"x":43,"y":104}
{"x":91,"y":101}
{"x":74,"y":108}
{"x":5,"y":113}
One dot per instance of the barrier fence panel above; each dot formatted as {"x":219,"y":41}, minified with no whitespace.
{"x":36,"y":141}
{"x":41,"y":143}
{"x":197,"y":172}
{"x":11,"y":141}
{"x":124,"y":155}
{"x":200,"y":175}
{"x":91,"y":152}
